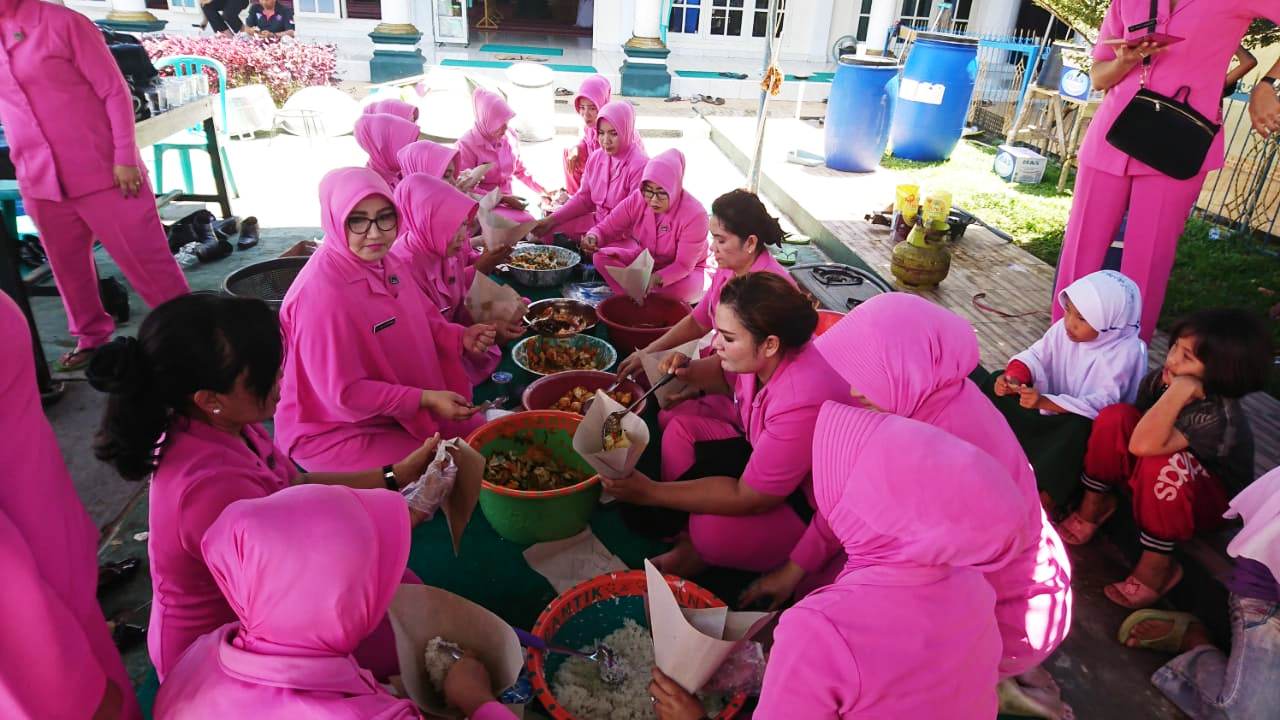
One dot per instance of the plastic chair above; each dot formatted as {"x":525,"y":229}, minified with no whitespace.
{"x":194,"y":138}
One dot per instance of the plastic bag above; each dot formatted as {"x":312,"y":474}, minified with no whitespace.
{"x":428,"y":492}
{"x":742,"y":671}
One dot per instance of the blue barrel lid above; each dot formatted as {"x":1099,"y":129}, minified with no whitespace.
{"x":947,"y":38}
{"x":870,"y":61}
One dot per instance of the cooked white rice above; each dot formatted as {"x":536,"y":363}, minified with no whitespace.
{"x":578,"y":688}
{"x":439,"y":658}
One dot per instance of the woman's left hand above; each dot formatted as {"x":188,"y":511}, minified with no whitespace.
{"x":412,"y":467}
{"x":128,"y":179}
{"x":489,"y":260}
{"x":479,"y":338}
{"x":1264,"y":110}
{"x":672,"y":702}
{"x":636,"y":488}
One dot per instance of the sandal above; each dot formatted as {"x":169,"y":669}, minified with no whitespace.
{"x":1075,"y":530}
{"x":77,"y":359}
{"x":1170,"y":642}
{"x":1135,"y":594}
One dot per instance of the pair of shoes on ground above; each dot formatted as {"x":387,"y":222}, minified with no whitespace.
{"x":213,"y":236}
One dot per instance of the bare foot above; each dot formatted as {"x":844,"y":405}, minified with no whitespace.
{"x":682,"y":560}
{"x":1038,"y":677}
{"x":1028,"y":701}
{"x":1154,"y":569}
{"x":1148,"y":630}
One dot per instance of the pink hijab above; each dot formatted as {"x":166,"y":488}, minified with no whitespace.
{"x":382,"y":137}
{"x":491,"y":113}
{"x":666,"y":170}
{"x":596,"y":89}
{"x":392,"y":106}
{"x":310,"y":572}
{"x":431,"y":211}
{"x":425,"y":156}
{"x":623,"y":118}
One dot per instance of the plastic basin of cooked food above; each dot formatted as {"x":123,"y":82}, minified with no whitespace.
{"x":605,"y":355}
{"x":532,"y":516}
{"x":543,"y":393}
{"x":589,"y":611}
{"x":632,"y":325}
{"x":566,"y":261}
{"x":827,"y":319}
{"x":566,"y":307}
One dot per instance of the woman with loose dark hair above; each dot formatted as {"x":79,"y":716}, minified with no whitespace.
{"x":187,"y":401}
{"x":1184,"y":448}
{"x":737,"y":473}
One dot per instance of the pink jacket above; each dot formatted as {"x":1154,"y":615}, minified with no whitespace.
{"x":486,"y":143}
{"x":392,"y":106}
{"x":596,"y":89}
{"x":67,"y":113}
{"x":1213,"y":28}
{"x":308,"y":573}
{"x":362,"y":343}
{"x":383,"y":137}
{"x":705,"y":311}
{"x":677,"y":239}
{"x":431,"y":211}
{"x":912,"y":358}
{"x":425,"y":156}
{"x":56,"y":655}
{"x":608,"y":179}
{"x":916,"y":549}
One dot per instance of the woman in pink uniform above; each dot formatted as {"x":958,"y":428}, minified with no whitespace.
{"x":68,"y":118}
{"x":431,"y":158}
{"x":186,"y":407}
{"x":310,"y":572}
{"x":57,"y":659}
{"x":1109,"y":182}
{"x":907,"y":356}
{"x":383,"y":137}
{"x":372,"y":368}
{"x":665,"y":220}
{"x":735,"y":478}
{"x":593,"y":94}
{"x":611,"y":175}
{"x":393,"y":106}
{"x":490,"y":141}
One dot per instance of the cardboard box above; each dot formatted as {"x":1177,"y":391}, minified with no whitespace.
{"x":1020,"y":165}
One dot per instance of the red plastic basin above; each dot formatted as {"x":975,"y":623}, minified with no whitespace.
{"x":545,"y":391}
{"x":633,"y":326}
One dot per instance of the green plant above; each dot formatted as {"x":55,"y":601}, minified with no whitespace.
{"x":1086,"y":16}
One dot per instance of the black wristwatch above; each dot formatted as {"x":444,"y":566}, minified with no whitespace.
{"x":389,"y":477}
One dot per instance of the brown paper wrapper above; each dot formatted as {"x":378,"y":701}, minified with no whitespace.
{"x":469,"y":179}
{"x":651,"y":362}
{"x":566,"y":563}
{"x":461,"y":501}
{"x":588,"y":442}
{"x":491,"y":303}
{"x":420,"y":612}
{"x":499,"y":231}
{"x":635,"y":278}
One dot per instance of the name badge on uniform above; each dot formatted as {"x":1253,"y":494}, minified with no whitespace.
{"x":664,"y":228}
{"x":384,"y":325}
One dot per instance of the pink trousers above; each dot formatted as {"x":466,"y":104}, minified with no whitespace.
{"x":757,"y":543}
{"x":370,"y":447}
{"x":689,"y":289}
{"x":130,"y":230}
{"x":1158,"y":208}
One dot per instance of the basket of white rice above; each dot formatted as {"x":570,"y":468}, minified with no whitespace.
{"x":608,"y":609}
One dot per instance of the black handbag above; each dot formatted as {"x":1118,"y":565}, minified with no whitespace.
{"x":1163,"y":132}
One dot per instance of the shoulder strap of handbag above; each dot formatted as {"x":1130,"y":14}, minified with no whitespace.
{"x":1150,"y":26}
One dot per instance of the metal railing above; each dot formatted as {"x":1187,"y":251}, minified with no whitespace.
{"x":1244,"y":196}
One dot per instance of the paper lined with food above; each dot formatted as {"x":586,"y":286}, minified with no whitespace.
{"x":499,"y":231}
{"x":421,"y":614}
{"x":469,"y":179}
{"x":634,"y":278}
{"x":493,"y":303}
{"x":565,"y":563}
{"x":690,"y":645}
{"x":450,"y":483}
{"x":613,"y":456}
{"x":651,"y":363}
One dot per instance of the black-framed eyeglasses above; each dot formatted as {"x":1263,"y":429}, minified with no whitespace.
{"x":386,"y":222}
{"x":652,"y":193}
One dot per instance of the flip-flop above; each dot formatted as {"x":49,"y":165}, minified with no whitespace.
{"x":1134,"y":594}
{"x":715,"y":100}
{"x":77,"y":359}
{"x":1075,"y":530}
{"x":1170,"y":642}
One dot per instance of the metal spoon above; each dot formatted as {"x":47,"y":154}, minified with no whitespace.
{"x":613,"y":669}
{"x":613,"y":423}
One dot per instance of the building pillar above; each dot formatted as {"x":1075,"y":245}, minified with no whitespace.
{"x":395,"y":44}
{"x":996,"y":18}
{"x":644,"y":72}
{"x":131,"y":16}
{"x":884,"y":15}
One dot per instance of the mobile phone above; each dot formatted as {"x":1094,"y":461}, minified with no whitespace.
{"x":1161,"y":39}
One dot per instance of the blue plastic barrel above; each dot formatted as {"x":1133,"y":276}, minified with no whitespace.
{"x":933,"y":100}
{"x":860,"y":112}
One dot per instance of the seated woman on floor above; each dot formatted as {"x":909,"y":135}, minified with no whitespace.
{"x":310,"y":572}
{"x":1183,"y":449}
{"x":594,"y":93}
{"x":382,"y":137}
{"x":734,"y":475}
{"x":431,"y":158}
{"x":187,"y":401}
{"x":908,"y":629}
{"x":612,"y":173}
{"x":664,"y":219}
{"x":393,"y":106}
{"x":490,"y":141}
{"x":372,"y":368}
{"x":1051,"y":392}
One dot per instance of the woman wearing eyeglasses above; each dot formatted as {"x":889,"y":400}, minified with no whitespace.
{"x":665,"y":220}
{"x":371,"y":367}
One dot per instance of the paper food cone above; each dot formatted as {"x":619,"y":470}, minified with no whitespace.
{"x":492,"y":303}
{"x":589,"y":443}
{"x":469,"y":179}
{"x":690,"y":650}
{"x":634,"y":278}
{"x":499,"y":231}
{"x":420,"y":612}
{"x":652,"y":361}
{"x":566,"y":563}
{"x":461,"y":501}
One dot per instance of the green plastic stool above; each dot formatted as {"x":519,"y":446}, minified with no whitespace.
{"x":194,"y":138}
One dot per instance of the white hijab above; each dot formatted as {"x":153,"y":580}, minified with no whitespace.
{"x":1084,"y":377}
{"x":1259,"y":506}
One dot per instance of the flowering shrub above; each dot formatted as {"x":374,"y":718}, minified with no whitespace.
{"x":283,"y":66}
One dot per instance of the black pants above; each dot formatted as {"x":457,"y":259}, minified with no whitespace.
{"x":225,"y":14}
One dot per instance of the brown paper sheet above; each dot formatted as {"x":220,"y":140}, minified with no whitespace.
{"x":589,"y":442}
{"x":565,"y":563}
{"x":492,"y":303}
{"x":683,"y":649}
{"x":635,"y":278}
{"x":651,"y":362}
{"x":461,"y":502}
{"x":499,"y":231}
{"x":469,"y":179}
{"x":420,"y":612}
